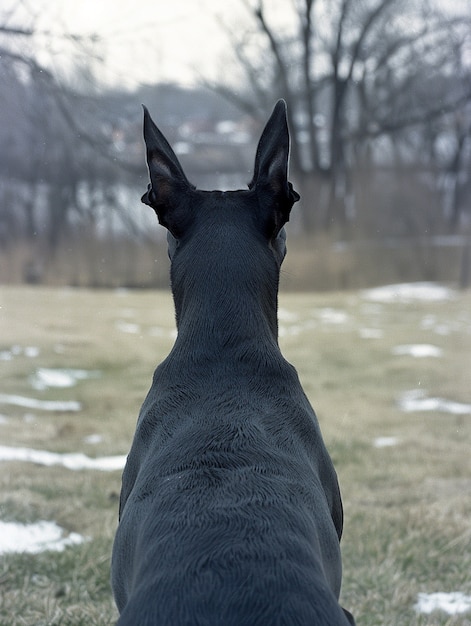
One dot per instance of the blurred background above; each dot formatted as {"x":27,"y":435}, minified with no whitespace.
{"x":379,"y":97}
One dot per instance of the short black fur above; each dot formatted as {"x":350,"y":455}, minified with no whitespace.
{"x":230,"y":511}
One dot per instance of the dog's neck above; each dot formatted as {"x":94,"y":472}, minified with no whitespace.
{"x":226,"y":303}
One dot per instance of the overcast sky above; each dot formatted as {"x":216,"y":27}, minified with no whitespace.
{"x":156,"y":39}
{"x":145,"y":41}
{"x":142,"y":41}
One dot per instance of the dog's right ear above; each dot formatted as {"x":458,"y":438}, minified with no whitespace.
{"x":169,"y":191}
{"x":270,"y":179}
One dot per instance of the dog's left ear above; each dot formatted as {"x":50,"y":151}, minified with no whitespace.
{"x":270,"y":180}
{"x":169,"y":192}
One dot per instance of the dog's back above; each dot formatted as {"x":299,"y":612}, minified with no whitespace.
{"x":230,"y":511}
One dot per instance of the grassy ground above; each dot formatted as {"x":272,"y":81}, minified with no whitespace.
{"x":407,"y":507}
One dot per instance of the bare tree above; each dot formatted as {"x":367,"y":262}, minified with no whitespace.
{"x":61,"y":159}
{"x":351,"y":72}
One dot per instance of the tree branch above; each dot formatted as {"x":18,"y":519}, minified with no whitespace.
{"x":367,"y":26}
{"x":275,"y":47}
{"x":310,"y":95}
{"x":384,"y":127}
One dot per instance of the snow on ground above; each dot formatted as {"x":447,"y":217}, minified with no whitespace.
{"x":416,"y":400}
{"x":287,"y":316}
{"x":131,"y":328}
{"x":46,"y":378}
{"x":371,"y":333}
{"x":409,"y":292}
{"x":93,"y":439}
{"x":34,"y":538}
{"x":419,"y":350}
{"x":431,"y":322}
{"x":292,"y":330}
{"x":41,"y":405}
{"x":385,"y":442}
{"x":31,"y":352}
{"x":71,"y":461}
{"x":128,"y":327}
{"x":445,"y":327}
{"x":452,"y":603}
{"x":328,"y":315}
{"x":291,"y":325}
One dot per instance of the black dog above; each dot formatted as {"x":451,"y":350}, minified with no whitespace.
{"x":230,"y":511}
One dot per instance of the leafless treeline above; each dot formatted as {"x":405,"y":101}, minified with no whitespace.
{"x":379,"y":97}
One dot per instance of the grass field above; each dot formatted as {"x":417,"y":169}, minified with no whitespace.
{"x":390,"y":382}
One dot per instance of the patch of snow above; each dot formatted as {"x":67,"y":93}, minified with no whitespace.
{"x":452,"y":603}
{"x":35,"y":538}
{"x":416,"y":400}
{"x":287,"y":316}
{"x":385,"y":442}
{"x":30,"y":352}
{"x":409,"y":292}
{"x":3,"y":419}
{"x":294,"y":330}
{"x":419,"y":350}
{"x":46,"y":378}
{"x":333,"y":316}
{"x":128,"y":327}
{"x":72,"y":461}
{"x":371,"y":333}
{"x":41,"y":405}
{"x":93,"y":439}
{"x":430,"y":322}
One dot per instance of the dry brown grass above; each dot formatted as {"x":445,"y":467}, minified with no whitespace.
{"x":314,"y":263}
{"x":407,"y":507}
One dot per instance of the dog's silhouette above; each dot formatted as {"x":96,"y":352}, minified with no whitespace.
{"x":230,"y":510}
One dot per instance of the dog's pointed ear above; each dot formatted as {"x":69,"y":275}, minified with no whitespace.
{"x":270,"y":179}
{"x":169,"y":188}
